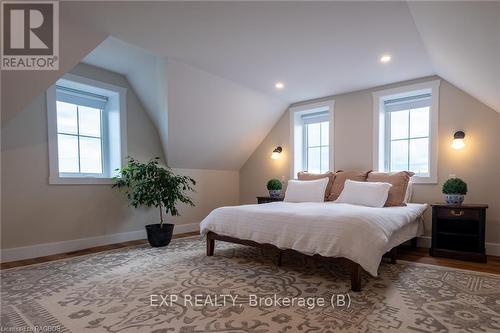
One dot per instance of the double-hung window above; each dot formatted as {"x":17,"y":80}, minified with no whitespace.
{"x":316,"y":142}
{"x":80,"y":136}
{"x":86,"y":123}
{"x":406,"y":131}
{"x":312,"y":137}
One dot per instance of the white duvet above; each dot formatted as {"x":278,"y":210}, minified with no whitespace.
{"x":358,"y":233}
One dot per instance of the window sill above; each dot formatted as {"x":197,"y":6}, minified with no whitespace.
{"x":424,"y":180}
{"x":80,"y":181}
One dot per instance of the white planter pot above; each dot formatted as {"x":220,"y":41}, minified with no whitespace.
{"x":454,"y":199}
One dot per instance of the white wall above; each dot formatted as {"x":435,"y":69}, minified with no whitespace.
{"x":214,"y":188}
{"x":145,"y":72}
{"x":36,"y":213}
{"x":478,"y":164}
{"x":214,"y":123}
{"x":19,"y":88}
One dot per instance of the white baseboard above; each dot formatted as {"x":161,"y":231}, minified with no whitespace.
{"x":492,"y":249}
{"x":40,"y":250}
{"x":424,"y":241}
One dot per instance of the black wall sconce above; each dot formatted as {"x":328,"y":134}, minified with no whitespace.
{"x":458,"y":140}
{"x":276,"y":153}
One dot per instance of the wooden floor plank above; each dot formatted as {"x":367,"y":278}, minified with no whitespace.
{"x":77,"y":253}
{"x":420,"y":255}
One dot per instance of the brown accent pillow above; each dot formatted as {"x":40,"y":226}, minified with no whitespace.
{"x":341,"y":177}
{"x":304,"y":175}
{"x":399,"y":181}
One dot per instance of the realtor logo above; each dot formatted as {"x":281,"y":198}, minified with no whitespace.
{"x":30,"y":35}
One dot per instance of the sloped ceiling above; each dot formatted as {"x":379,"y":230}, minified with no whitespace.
{"x":317,"y":49}
{"x":204,"y":121}
{"x":214,"y":123}
{"x":145,"y":72}
{"x":236,"y":51}
{"x":463,"y":43}
{"x":19,"y":88}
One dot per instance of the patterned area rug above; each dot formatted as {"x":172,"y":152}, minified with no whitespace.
{"x":111,"y":292}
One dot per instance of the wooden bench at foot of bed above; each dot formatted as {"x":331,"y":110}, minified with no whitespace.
{"x":355,"y":267}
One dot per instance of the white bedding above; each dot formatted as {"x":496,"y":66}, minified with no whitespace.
{"x":361,"y":234}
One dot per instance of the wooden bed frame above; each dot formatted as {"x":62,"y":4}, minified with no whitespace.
{"x":355,"y":267}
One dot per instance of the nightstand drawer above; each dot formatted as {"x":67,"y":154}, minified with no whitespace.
{"x":470,"y":227}
{"x":263,"y":200}
{"x":458,"y":213}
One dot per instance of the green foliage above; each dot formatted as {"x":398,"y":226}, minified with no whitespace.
{"x":274,"y":185}
{"x":454,"y":186}
{"x":150,"y":185}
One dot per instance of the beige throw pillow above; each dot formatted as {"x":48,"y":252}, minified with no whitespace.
{"x":399,"y":181}
{"x":341,"y":177}
{"x":303,"y":175}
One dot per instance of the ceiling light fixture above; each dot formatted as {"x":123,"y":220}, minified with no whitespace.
{"x":279,"y":85}
{"x":385,"y":58}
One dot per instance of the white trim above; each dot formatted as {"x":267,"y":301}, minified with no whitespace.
{"x":492,"y":249}
{"x":379,"y":127}
{"x":80,"y":180}
{"x":54,"y":176}
{"x":294,"y":112}
{"x":46,"y":249}
{"x":424,"y":241}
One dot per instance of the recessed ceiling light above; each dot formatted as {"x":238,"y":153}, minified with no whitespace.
{"x":279,"y":85}
{"x":385,"y":58}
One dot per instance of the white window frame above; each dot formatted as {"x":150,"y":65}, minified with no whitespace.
{"x":380,"y":131}
{"x":297,"y":148}
{"x":55,"y":177}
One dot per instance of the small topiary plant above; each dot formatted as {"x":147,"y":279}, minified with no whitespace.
{"x":274,"y":185}
{"x":455,"y":186}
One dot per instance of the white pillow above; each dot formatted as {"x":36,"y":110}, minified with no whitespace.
{"x":409,"y":192}
{"x":371,"y":194}
{"x":306,"y":190}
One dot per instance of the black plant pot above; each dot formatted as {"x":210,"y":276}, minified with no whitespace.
{"x":159,"y":237}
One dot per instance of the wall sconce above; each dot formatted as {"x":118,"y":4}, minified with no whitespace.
{"x":276,"y":153}
{"x":458,"y":140}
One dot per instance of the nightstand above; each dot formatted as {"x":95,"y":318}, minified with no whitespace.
{"x":263,"y":200}
{"x":458,"y":232}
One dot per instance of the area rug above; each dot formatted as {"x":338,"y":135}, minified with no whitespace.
{"x":240,"y":289}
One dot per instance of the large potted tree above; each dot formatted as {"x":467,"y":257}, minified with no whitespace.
{"x":150,"y":185}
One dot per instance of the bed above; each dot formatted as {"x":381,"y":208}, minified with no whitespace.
{"x":362,"y":235}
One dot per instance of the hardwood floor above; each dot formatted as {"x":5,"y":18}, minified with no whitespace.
{"x":420,"y":255}
{"x":91,"y":250}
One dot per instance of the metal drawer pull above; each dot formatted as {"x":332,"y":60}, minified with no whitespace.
{"x":457,"y":213}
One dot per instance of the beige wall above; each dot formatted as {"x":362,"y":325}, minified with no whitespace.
{"x":214,"y":123}
{"x":19,"y":88}
{"x":478,"y":163}
{"x":34,"y":212}
{"x":214,"y":188}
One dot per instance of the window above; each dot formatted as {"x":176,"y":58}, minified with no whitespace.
{"x":312,"y":139}
{"x":316,"y":142}
{"x":79,"y":132}
{"x":406,"y":130}
{"x":86,"y":130}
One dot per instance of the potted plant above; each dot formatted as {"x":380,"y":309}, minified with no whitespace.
{"x":454,"y":190}
{"x":274,"y":187}
{"x":150,"y":185}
